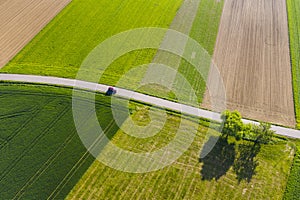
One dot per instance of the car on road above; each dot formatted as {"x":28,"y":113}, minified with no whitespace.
{"x":110,"y":91}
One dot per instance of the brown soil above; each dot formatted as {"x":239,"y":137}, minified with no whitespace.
{"x":21,"y":20}
{"x":252,"y":53}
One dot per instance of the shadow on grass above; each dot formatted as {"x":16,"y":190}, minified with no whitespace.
{"x":245,"y":164}
{"x":218,"y":161}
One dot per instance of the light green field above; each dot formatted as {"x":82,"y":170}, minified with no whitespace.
{"x":230,"y":171}
{"x":41,"y":153}
{"x":294,"y":32}
{"x":61,"y":47}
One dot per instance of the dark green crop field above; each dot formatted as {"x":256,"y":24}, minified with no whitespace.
{"x":41,"y":153}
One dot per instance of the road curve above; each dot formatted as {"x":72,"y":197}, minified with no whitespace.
{"x":186,"y":109}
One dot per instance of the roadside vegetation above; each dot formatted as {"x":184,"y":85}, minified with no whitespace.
{"x":293,"y":7}
{"x":233,"y":126}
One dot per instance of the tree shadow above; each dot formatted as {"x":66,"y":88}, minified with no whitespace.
{"x":245,"y":165}
{"x":219,"y":159}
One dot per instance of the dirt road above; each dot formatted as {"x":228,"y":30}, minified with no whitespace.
{"x":252,"y":53}
{"x":21,"y":20}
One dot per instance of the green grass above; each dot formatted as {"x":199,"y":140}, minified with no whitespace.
{"x":41,"y":153}
{"x":293,"y":186}
{"x":204,"y":31}
{"x":60,"y":48}
{"x":293,"y":7}
{"x":232,"y":170}
{"x":206,"y":25}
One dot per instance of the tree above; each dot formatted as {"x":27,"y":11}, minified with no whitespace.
{"x":232,"y":124}
{"x":247,"y":132}
{"x":262,"y":133}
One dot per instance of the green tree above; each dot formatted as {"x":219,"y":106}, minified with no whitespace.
{"x":233,"y":124}
{"x":262,"y":133}
{"x":247,"y":132}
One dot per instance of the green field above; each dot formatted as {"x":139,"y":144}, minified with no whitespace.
{"x":43,"y":157}
{"x":293,"y":186}
{"x":232,"y":170}
{"x":293,"y":7}
{"x":60,"y":48}
{"x":41,"y":153}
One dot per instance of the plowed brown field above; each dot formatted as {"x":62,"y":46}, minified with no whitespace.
{"x":21,"y":20}
{"x":252,"y":53}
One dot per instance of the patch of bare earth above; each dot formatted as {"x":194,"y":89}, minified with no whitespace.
{"x":252,"y":53}
{"x":21,"y":20}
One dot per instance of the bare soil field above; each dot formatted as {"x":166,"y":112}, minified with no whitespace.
{"x":252,"y":53}
{"x":21,"y":20}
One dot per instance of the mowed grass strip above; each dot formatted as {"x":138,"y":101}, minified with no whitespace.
{"x":204,"y":31}
{"x":262,"y":176}
{"x":60,"y":48}
{"x":293,"y":7}
{"x":41,"y":153}
{"x":206,"y":24}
